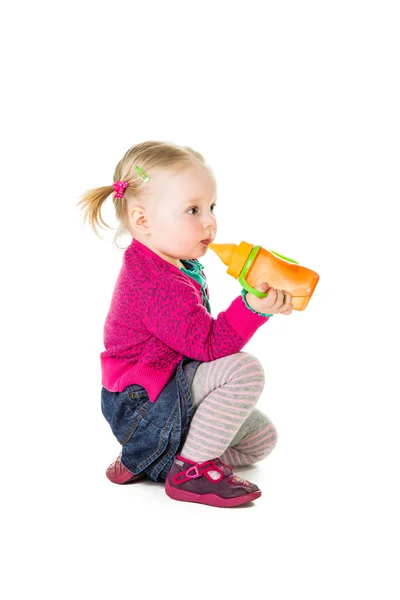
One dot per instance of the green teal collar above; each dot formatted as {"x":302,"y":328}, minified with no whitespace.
{"x":197,"y":266}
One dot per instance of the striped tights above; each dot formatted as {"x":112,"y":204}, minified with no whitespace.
{"x":226,"y":423}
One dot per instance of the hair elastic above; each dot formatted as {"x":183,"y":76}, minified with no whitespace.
{"x":120,"y":187}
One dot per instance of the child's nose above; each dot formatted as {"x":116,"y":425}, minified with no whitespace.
{"x":209,"y":220}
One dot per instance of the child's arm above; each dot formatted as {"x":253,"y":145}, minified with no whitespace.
{"x":177,"y":318}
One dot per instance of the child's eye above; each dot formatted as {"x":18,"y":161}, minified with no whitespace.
{"x":213,"y":205}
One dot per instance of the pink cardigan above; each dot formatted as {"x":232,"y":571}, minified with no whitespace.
{"x":157,"y":317}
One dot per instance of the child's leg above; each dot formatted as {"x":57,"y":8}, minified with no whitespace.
{"x":224,"y":393}
{"x":254,"y":441}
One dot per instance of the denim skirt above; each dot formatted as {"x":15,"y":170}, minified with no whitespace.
{"x":152,"y":433}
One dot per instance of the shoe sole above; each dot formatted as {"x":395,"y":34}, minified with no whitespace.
{"x":210,"y":499}
{"x":125,"y":478}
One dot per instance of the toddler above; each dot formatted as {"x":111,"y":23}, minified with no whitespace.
{"x":177,"y":390}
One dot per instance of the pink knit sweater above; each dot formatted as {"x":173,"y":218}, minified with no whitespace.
{"x":157,"y":317}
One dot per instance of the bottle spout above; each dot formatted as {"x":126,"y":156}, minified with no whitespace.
{"x":226,"y":252}
{"x":233,"y":256}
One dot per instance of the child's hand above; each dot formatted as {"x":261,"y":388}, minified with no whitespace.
{"x":276,"y":302}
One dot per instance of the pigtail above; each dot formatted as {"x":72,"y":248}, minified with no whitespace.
{"x":90,"y":205}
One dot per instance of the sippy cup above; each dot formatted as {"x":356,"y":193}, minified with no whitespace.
{"x":252,"y":265}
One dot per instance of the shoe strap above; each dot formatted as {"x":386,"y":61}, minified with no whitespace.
{"x":200,"y":469}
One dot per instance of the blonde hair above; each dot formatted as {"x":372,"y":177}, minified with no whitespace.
{"x":153,"y":157}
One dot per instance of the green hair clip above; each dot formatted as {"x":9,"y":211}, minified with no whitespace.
{"x":143,"y":174}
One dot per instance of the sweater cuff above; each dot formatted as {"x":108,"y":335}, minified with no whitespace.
{"x":244,"y":292}
{"x":242,"y":320}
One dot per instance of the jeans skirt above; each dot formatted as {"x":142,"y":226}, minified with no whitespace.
{"x":152,"y":433}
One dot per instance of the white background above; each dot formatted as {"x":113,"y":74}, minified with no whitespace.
{"x":295,"y":106}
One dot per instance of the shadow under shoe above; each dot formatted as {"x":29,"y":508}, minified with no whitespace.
{"x":188,"y":481}
{"x":118,"y":473}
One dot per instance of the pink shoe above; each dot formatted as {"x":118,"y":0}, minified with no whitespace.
{"x":117,"y":473}
{"x":190,"y":482}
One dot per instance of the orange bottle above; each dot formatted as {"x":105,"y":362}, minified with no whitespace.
{"x":252,"y":265}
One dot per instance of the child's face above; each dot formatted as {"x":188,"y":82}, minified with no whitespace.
{"x":179,"y":215}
